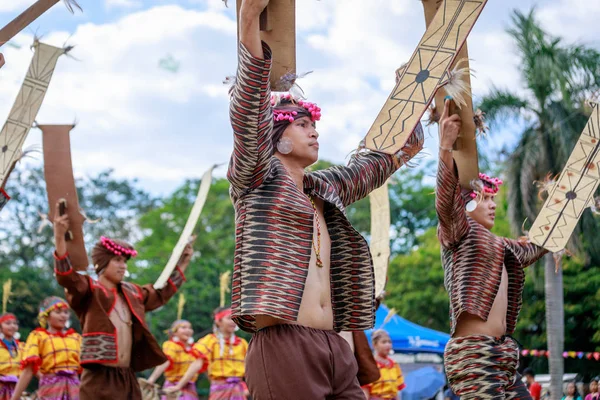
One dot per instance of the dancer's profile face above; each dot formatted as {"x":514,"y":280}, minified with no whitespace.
{"x":485,"y":213}
{"x":58,"y":318}
{"x":9,"y":328}
{"x":593,"y":386}
{"x":383,"y":346}
{"x":226,"y":325}
{"x":304,"y":137}
{"x":185,"y":331}
{"x":116,"y":269}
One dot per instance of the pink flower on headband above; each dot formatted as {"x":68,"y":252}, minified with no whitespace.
{"x":116,"y":249}
{"x":287,"y":115}
{"x":493,"y":182}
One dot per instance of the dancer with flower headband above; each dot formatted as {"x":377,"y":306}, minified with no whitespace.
{"x":181,"y":355}
{"x":391,"y":380}
{"x":484,"y":279}
{"x":117,"y":342}
{"x":223,"y":353}
{"x":301,"y":271}
{"x":53,"y":353}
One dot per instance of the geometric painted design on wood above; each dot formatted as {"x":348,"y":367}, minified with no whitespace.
{"x":573,"y":192}
{"x":424,"y":74}
{"x":26,"y":106}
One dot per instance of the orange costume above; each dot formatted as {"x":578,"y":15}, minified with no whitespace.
{"x":226,"y":369}
{"x":390,"y":382}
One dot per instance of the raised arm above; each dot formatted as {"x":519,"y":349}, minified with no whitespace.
{"x":368,"y":170}
{"x":77,"y":286}
{"x":190,"y":373}
{"x":449,"y":205}
{"x":525,"y":253}
{"x":250,"y":108}
{"x":155,"y":298}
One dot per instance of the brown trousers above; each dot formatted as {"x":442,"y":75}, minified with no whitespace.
{"x":107,"y":383}
{"x":293,"y":362}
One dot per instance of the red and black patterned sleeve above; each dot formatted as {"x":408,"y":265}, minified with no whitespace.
{"x":251,"y":117}
{"x":4,"y":198}
{"x":450,"y":207}
{"x":525,"y":253}
{"x":369,"y":170}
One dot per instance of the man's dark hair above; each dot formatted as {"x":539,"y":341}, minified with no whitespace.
{"x":528,"y":371}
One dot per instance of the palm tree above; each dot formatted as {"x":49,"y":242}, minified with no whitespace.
{"x":557,"y":80}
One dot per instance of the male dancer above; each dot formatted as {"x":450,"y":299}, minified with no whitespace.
{"x":116,"y":340}
{"x":484,"y":279}
{"x":301,"y":272}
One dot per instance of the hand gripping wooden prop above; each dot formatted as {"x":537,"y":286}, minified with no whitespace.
{"x":278,"y":30}
{"x":573,"y":192}
{"x":426,"y":72}
{"x":465,"y":147}
{"x":380,"y":235}
{"x":60,"y":185}
{"x":26,"y":106}
{"x":188,"y":230}
{"x":27,"y":17}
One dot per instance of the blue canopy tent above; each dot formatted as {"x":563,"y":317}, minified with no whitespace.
{"x":408,"y":337}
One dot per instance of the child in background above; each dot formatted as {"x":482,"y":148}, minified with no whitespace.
{"x":391,"y":381}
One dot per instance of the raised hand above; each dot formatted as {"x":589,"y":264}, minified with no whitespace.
{"x":450,"y":126}
{"x":61,"y":227}
{"x":254,"y":7}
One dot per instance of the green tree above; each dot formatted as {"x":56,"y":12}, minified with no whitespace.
{"x":557,"y":79}
{"x":26,"y":253}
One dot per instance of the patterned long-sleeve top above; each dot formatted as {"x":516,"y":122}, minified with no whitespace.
{"x":93,"y":303}
{"x":52,"y":352}
{"x":473,"y":257}
{"x":274,"y":220}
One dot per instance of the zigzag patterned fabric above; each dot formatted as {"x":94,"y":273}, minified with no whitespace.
{"x":483,"y":367}
{"x":473,"y":257}
{"x":274,"y":220}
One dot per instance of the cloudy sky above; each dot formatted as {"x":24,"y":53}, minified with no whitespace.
{"x":161,"y":127}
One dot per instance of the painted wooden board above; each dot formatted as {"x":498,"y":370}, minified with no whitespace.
{"x":278,"y":30}
{"x":188,"y":230}
{"x":573,"y":192}
{"x":26,"y":106}
{"x":424,"y":74}
{"x":465,"y":154}
{"x":60,"y":184}
{"x":380,"y":235}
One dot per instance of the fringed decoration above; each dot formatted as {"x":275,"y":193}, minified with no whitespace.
{"x":6,"y":293}
{"x":70,"y":4}
{"x":480,"y":126}
{"x":224,"y":284}
{"x":546,"y":185}
{"x":180,"y":305}
{"x":434,"y":116}
{"x":457,"y":86}
{"x":288,"y":83}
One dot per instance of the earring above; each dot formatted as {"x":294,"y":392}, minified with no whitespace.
{"x":471,"y":206}
{"x":285,"y":146}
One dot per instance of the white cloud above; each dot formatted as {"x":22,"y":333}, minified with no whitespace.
{"x":162,"y":127}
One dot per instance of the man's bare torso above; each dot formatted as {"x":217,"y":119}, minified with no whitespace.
{"x":495,"y":326}
{"x":315,"y":309}
{"x":121,"y":318}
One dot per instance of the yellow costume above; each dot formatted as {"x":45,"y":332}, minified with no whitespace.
{"x":224,"y":363}
{"x":10,"y":364}
{"x":180,"y":359}
{"x":51,"y":353}
{"x":390,"y":382}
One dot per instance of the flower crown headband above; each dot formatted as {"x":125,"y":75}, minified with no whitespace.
{"x":117,"y":249}
{"x":493,"y":182}
{"x":289,"y":115}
